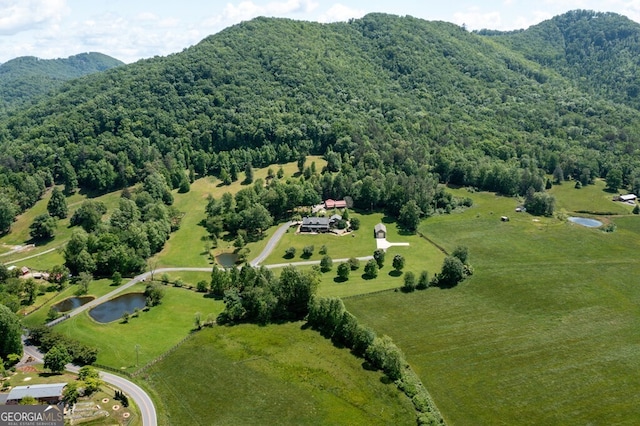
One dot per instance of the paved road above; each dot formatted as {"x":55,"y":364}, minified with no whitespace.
{"x":135,"y":392}
{"x":271,"y":244}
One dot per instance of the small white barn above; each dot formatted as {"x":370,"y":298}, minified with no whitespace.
{"x":380,"y":231}
{"x":627,"y":198}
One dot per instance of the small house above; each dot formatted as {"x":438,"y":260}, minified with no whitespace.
{"x":380,"y":231}
{"x":315,"y":224}
{"x":335,"y":204}
{"x":48,"y":393}
{"x":24,"y":270}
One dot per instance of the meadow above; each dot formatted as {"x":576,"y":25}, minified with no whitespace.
{"x":278,"y":374}
{"x":544,"y":332}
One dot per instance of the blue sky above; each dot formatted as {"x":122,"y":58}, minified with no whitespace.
{"x":134,"y":29}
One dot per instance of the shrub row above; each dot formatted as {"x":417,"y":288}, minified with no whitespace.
{"x":329,"y":316}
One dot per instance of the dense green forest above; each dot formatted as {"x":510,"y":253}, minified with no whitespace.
{"x":599,"y":51}
{"x":396,"y":105}
{"x":26,"y":78}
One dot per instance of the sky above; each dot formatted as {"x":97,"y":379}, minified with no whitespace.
{"x":130,"y":30}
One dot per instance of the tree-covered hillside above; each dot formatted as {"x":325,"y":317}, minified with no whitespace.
{"x":27,"y":77}
{"x":396,"y":104}
{"x":599,"y":51}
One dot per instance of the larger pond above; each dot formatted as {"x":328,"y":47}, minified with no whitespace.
{"x":70,"y":303}
{"x":227,"y":260}
{"x":589,"y":223}
{"x":113,"y":309}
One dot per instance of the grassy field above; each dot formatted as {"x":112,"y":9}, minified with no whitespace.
{"x":589,"y":198}
{"x":272,"y":375}
{"x":544,"y":332}
{"x":155,"y":331}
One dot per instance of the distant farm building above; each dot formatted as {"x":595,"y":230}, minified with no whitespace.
{"x":47,"y":393}
{"x":315,"y":224}
{"x":504,"y":218}
{"x":335,"y":204}
{"x":627,"y":198}
{"x":380,"y":231}
{"x":24,"y":270}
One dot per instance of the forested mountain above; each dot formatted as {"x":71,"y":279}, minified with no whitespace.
{"x":396,"y":104}
{"x":26,"y":77}
{"x":599,"y":51}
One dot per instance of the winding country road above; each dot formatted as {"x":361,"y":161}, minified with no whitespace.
{"x":141,"y":398}
{"x":135,"y":392}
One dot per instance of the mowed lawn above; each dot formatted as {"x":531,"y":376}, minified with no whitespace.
{"x":545,"y":332}
{"x":279,"y":374}
{"x":155,"y":331}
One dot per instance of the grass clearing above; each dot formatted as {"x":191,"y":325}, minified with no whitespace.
{"x":156,"y":330}
{"x":279,"y":374}
{"x":544,"y":332}
{"x":590,"y":198}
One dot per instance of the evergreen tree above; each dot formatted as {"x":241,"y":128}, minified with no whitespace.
{"x":57,"y":205}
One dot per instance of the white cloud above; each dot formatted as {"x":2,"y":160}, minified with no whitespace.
{"x":22,"y":15}
{"x":473,"y":19}
{"x":340,"y":12}
{"x":248,"y":9}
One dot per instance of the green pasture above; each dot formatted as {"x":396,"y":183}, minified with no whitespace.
{"x":279,"y":374}
{"x":590,"y":198}
{"x":546,"y":331}
{"x":155,"y":331}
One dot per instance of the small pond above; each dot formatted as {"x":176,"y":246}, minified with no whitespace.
{"x":589,"y":223}
{"x":227,"y":260}
{"x":70,"y":303}
{"x":113,"y":309}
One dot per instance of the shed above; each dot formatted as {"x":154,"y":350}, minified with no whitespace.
{"x":504,"y":218}
{"x":46,"y":393}
{"x":627,"y":197}
{"x":24,"y":270}
{"x":380,"y":231}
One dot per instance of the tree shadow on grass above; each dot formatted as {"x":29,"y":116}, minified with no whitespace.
{"x":367,"y":277}
{"x":49,"y":374}
{"x":367,"y":366}
{"x":339,"y":280}
{"x":385,"y":379}
{"x":388,"y":219}
{"x":395,"y":273}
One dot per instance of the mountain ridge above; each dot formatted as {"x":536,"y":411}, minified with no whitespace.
{"x":25,"y":78}
{"x":384,"y":97}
